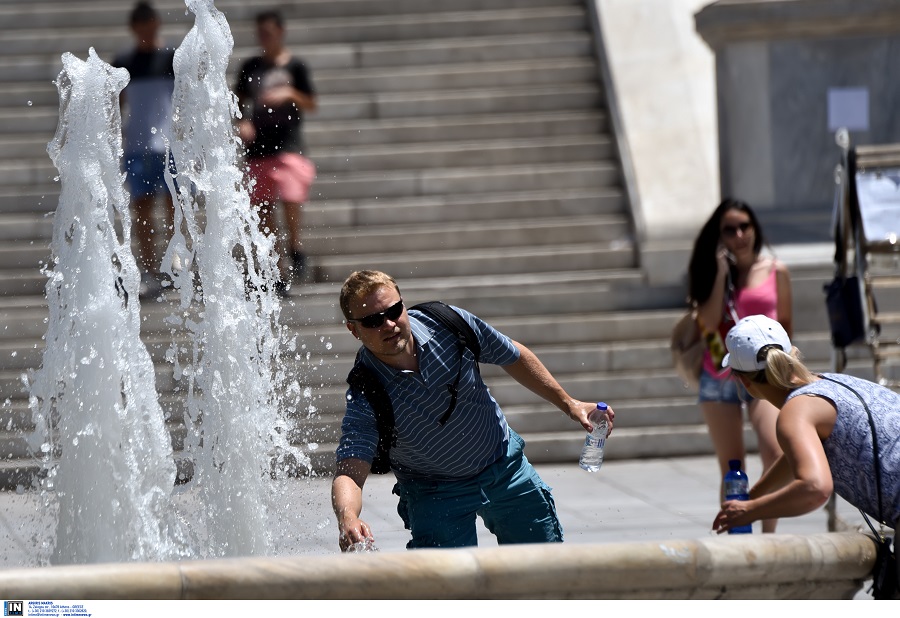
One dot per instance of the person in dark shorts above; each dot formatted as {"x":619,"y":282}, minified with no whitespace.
{"x":147,"y":106}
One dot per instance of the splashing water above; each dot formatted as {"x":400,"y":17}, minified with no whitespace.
{"x":222,"y":263}
{"x":108,"y":465}
{"x":93,"y":398}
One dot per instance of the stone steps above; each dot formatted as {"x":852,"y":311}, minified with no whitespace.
{"x":334,"y":137}
{"x":30,"y":71}
{"x":310,"y":31}
{"x":43,"y":196}
{"x":456,"y":104}
{"x":112,"y":13}
{"x":343,"y":160}
{"x":462,"y":145}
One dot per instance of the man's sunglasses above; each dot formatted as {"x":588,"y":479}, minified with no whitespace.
{"x":375,"y":320}
{"x":731,"y":230}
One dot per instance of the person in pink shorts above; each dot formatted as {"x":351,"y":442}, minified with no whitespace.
{"x":274,"y":92}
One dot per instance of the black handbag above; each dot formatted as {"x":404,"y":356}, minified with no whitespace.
{"x":844,"y":302}
{"x":843,"y":294}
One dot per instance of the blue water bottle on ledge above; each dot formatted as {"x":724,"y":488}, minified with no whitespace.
{"x":737,"y":487}
{"x":592,"y":453}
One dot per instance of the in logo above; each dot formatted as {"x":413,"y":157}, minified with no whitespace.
{"x":13,"y":608}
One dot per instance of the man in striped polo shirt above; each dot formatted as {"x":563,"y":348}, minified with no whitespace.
{"x":451,"y":462}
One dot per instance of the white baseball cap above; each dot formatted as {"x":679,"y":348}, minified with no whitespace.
{"x":748,"y":337}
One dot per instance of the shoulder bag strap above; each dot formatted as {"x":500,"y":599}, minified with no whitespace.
{"x":877,"y":461}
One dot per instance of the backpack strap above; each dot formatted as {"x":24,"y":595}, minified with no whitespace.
{"x":444,"y":313}
{"x":465,"y":338}
{"x":363,"y":380}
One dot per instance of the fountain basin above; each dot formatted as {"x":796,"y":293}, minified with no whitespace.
{"x":777,"y":566}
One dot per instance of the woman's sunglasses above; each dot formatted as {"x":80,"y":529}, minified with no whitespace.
{"x":731,"y":230}
{"x":375,"y":320}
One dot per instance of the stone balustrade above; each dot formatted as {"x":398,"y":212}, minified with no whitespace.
{"x":822,"y":566}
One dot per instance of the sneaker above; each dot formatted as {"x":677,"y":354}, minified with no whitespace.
{"x":151,"y":287}
{"x":281,"y":288}
{"x":298,"y":270}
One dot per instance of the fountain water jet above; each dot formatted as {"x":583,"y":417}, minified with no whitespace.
{"x":113,"y":484}
{"x":115,"y":472}
{"x":228,"y":266}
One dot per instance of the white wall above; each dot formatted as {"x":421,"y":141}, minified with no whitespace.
{"x":664,"y":79}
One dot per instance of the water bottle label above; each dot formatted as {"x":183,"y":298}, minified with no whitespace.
{"x":592,"y":442}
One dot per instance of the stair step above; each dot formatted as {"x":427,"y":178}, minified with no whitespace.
{"x":467,"y":236}
{"x":334,"y":214}
{"x":112,"y":13}
{"x":315,"y":31}
{"x":23,"y":70}
{"x":505,"y":260}
{"x":365,"y":144}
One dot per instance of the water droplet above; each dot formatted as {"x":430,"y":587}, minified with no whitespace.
{"x":29,"y":103}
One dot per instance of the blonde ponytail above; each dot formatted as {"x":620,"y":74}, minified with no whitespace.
{"x":786,"y":370}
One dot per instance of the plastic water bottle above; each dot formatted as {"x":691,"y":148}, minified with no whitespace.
{"x":592,"y":453}
{"x":737,"y":487}
{"x":363,"y":547}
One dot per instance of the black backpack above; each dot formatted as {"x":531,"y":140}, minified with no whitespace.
{"x":363,"y":380}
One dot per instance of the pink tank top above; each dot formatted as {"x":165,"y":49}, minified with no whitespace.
{"x":762,"y":299}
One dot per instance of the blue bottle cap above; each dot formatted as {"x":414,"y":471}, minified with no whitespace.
{"x":601,"y":405}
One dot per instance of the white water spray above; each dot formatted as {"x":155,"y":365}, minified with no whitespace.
{"x":94,"y":399}
{"x":224,"y":268}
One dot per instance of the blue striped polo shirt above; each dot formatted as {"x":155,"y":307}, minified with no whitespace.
{"x":474,"y":436}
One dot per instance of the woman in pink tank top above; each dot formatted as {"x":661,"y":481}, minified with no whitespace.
{"x":728,"y":280}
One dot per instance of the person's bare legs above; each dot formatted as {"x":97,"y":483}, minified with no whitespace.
{"x":293,"y":212}
{"x":293,"y":219}
{"x":143,"y":229}
{"x":763,"y":416}
{"x":268,"y":225}
{"x":725,"y":423}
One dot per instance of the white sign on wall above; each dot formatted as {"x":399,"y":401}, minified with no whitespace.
{"x":848,"y":108}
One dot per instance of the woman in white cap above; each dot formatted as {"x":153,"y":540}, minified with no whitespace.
{"x":825,"y":427}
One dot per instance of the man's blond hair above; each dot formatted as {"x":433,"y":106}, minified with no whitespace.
{"x":362,"y":283}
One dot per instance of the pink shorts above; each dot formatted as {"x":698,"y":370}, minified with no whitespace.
{"x":284,"y":177}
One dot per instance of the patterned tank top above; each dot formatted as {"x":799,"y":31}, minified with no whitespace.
{"x":849,"y":447}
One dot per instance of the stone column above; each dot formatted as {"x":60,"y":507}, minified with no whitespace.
{"x":777,"y":64}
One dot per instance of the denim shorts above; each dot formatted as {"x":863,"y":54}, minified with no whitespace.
{"x":722,"y":390}
{"x":146,"y":173}
{"x":509,"y":496}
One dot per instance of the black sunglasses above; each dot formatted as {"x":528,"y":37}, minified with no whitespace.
{"x":731,"y":230}
{"x":375,"y":320}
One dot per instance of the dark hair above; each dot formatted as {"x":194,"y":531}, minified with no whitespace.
{"x":142,"y":12}
{"x":703,"y":267}
{"x":270,"y":15}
